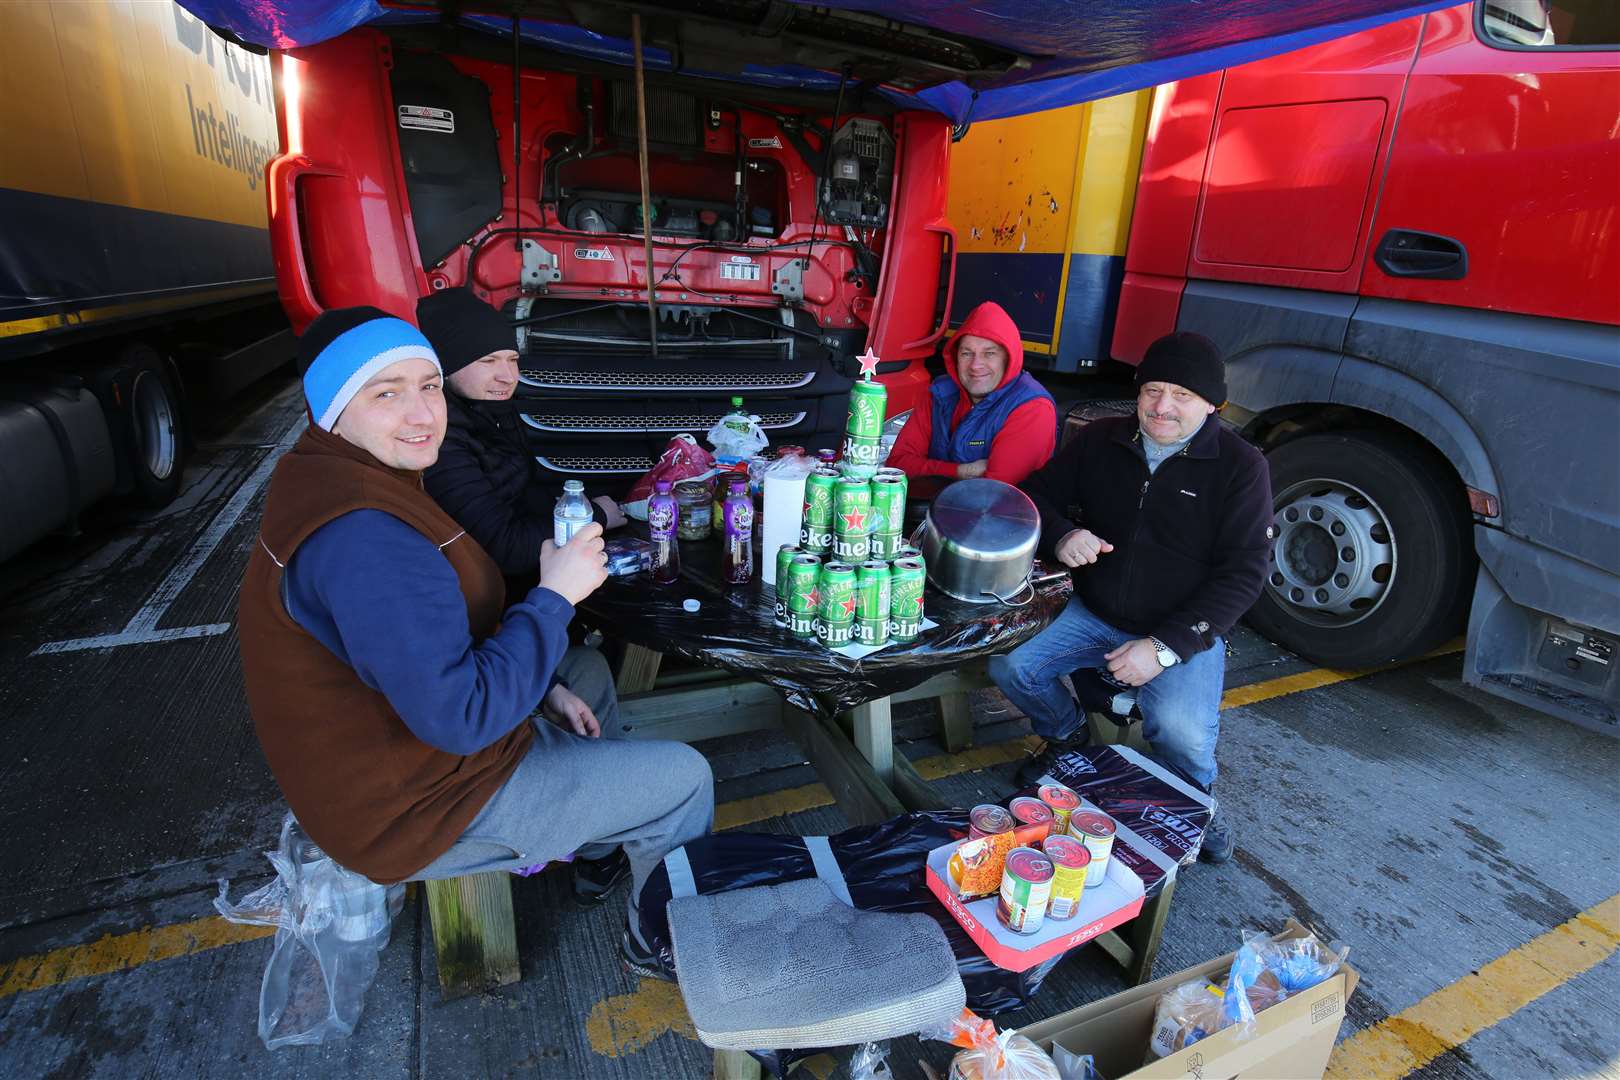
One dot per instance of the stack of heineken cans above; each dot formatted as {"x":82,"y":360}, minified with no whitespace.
{"x":852,"y":578}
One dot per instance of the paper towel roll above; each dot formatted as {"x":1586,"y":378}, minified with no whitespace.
{"x":783,"y":510}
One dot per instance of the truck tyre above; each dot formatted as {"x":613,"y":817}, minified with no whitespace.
{"x":154,"y":435}
{"x":1372,"y":557}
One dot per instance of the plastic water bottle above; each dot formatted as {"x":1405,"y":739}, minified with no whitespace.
{"x":573,"y":513}
{"x":663,"y":517}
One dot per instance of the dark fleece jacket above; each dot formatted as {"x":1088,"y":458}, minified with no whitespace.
{"x":1190,"y":540}
{"x":488,"y":480}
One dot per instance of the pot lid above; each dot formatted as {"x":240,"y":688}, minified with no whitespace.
{"x":985,"y":519}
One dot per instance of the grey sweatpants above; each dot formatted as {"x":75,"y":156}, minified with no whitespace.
{"x":573,"y":794}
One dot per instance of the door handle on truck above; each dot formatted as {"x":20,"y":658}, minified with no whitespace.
{"x":948,"y":257}
{"x":287,"y":234}
{"x":1407,"y":253}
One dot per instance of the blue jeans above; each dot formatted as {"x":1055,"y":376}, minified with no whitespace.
{"x":1181,"y":708}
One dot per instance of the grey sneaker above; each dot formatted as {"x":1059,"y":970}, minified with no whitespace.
{"x":638,"y":960}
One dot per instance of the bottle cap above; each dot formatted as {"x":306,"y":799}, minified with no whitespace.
{"x":662,"y":486}
{"x":690,"y":605}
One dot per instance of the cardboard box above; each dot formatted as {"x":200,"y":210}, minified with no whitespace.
{"x":1116,"y":900}
{"x":1294,"y":1040}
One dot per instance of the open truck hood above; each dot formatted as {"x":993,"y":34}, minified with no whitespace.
{"x":969,"y":61}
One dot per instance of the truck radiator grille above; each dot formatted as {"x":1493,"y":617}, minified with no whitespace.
{"x":596,"y":463}
{"x":562,"y":379}
{"x":694,"y":422}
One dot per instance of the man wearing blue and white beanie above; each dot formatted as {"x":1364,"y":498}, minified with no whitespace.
{"x":390,"y":684}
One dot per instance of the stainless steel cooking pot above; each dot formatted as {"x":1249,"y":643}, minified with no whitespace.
{"x":979,"y":540}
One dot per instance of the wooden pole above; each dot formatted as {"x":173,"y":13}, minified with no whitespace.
{"x":646,"y":184}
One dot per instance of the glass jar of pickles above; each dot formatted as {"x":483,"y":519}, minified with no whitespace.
{"x":694,"y":504}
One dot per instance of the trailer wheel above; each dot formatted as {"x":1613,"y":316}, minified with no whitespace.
{"x":155,"y":436}
{"x":1372,"y":556}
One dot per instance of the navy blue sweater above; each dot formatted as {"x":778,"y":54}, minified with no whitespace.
{"x":378,"y":594}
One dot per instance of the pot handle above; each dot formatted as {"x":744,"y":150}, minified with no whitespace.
{"x":1008,"y":599}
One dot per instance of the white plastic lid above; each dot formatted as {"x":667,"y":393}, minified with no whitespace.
{"x":690,"y":605}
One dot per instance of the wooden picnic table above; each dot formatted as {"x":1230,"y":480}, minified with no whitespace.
{"x":760,"y":676}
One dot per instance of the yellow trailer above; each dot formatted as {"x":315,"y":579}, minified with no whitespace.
{"x":1042,"y":209}
{"x":134,"y":251}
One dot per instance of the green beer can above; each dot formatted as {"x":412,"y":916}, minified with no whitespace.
{"x":888,"y":512}
{"x":803,"y":573}
{"x":835,"y":622}
{"x":861,"y":455}
{"x":816,"y":530}
{"x":872,"y":603}
{"x":868,"y":405}
{"x":906,"y":581}
{"x":784,"y":558}
{"x":852,"y":519}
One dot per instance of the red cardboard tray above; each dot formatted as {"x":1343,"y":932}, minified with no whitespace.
{"x":1116,"y":900}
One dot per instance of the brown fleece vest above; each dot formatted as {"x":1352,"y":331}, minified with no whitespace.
{"x":371,"y":794}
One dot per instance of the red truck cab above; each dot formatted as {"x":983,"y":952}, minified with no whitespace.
{"x":1405,"y":242}
{"x":780,"y":222}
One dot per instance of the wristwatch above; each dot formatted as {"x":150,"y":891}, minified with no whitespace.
{"x":1167,"y":656}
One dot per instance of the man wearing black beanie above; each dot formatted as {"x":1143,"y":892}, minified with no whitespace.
{"x":1167,"y":552}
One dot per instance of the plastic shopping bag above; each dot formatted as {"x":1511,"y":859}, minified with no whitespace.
{"x":330,"y":925}
{"x":682,"y":459}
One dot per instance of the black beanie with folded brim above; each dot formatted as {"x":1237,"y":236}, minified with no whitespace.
{"x":462,"y":328}
{"x":1188,"y":360}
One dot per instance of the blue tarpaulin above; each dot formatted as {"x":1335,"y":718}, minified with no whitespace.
{"x":1079,"y":50}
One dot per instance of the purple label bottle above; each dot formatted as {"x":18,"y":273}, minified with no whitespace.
{"x":737,"y":561}
{"x":663,"y":519}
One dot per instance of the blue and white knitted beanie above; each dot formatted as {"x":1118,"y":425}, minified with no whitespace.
{"x":344,"y":347}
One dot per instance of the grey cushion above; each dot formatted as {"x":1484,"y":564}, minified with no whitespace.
{"x":791,"y":967}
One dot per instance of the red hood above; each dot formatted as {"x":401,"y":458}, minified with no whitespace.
{"x":989,"y":321}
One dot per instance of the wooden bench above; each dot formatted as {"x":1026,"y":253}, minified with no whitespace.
{"x":474,"y":932}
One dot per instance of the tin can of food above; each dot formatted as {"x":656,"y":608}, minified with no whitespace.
{"x":1026,"y":887}
{"x":868,"y":406}
{"x":988,"y":819}
{"x":1070,"y":859}
{"x":1096,"y":830}
{"x":1063,"y":801}
{"x":872,"y":603}
{"x":835,"y":621}
{"x":906,"y":580}
{"x":784,"y":559}
{"x":816,"y":531}
{"x":803,"y":574}
{"x":1033,"y":818}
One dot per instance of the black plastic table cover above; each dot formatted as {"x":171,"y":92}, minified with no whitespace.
{"x":735,"y":629}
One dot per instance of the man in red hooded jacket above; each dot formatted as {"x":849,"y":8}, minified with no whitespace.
{"x":985,"y":416}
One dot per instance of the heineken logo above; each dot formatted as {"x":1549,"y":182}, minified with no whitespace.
{"x":855,"y":520}
{"x":814,"y":598}
{"x":862,"y":453}
{"x":848,"y":604}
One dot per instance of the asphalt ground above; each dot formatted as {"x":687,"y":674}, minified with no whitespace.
{"x":1464,"y":847}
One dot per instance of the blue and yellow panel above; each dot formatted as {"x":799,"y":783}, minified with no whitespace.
{"x":1042,"y":208}
{"x":132,"y":157}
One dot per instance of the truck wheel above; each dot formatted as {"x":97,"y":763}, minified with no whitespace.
{"x":155,"y":443}
{"x":1372,"y":556}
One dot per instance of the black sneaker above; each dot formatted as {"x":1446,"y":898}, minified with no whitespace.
{"x":1218,"y":844}
{"x":647,"y":963}
{"x":594,"y":879}
{"x":1030,"y":772}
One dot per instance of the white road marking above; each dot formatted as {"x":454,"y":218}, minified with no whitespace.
{"x":142,"y":628}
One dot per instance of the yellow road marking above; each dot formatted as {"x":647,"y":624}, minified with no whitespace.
{"x":1455,"y":1013}
{"x":1319,"y":677}
{"x":118,"y":952}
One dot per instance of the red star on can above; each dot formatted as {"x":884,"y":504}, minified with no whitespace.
{"x":815,"y":599}
{"x":855,"y":520}
{"x":848,"y":604}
